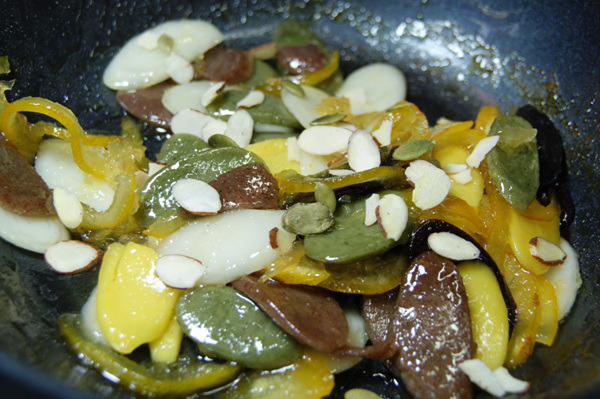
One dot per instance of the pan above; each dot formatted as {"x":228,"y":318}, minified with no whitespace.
{"x":457,"y":56}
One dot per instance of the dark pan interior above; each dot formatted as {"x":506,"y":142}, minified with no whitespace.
{"x":457,"y":55}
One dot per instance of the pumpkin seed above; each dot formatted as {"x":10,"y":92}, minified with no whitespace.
{"x":240,"y":331}
{"x":221,"y":141}
{"x":305,"y":219}
{"x":350,"y":239}
{"x":326,"y":195}
{"x":179,"y":146}
{"x":328,"y":119}
{"x":413,"y":150}
{"x":513,"y":163}
{"x":292,"y":88}
{"x":156,"y":197}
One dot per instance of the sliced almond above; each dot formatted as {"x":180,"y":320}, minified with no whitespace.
{"x":363,"y":151}
{"x":484,"y":146}
{"x":293,"y":149}
{"x":546,"y":251}
{"x":72,"y":256}
{"x":371,"y":204}
{"x":179,"y":271}
{"x":451,"y":168}
{"x":311,"y":164}
{"x":452,"y":246}
{"x":481,"y":375}
{"x":383,"y":134}
{"x":68,"y":208}
{"x":190,"y":121}
{"x":510,"y":383}
{"x":392,"y":216}
{"x":463,"y":177}
{"x":179,"y":68}
{"x":303,"y":108}
{"x":196,"y":196}
{"x":239,"y":127}
{"x":373,"y":88}
{"x":431,"y":184}
{"x":215,"y":126}
{"x":324,"y":140}
{"x":148,"y":40}
{"x":212,"y":93}
{"x":252,"y":99}
{"x":155,"y":167}
{"x":184,"y":96}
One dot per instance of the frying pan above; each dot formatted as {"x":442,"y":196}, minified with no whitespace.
{"x":457,"y":55}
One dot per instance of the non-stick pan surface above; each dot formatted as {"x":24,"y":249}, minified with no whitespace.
{"x":457,"y":55}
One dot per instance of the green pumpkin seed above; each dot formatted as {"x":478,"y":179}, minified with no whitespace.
{"x":413,"y":150}
{"x":292,"y":88}
{"x":305,"y":219}
{"x":325,"y":195}
{"x":328,"y":119}
{"x":221,"y":141}
{"x":156,"y":197}
{"x":513,"y":163}
{"x":239,"y":331}
{"x":350,"y":239}
{"x":270,"y":111}
{"x":179,"y":146}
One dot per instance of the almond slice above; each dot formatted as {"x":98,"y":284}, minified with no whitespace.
{"x":484,"y":146}
{"x":68,"y":208}
{"x":215,"y":126}
{"x":383,"y":134}
{"x":293,"y":149}
{"x":240,"y":127}
{"x":148,"y":40}
{"x":452,"y":246}
{"x":196,"y":196}
{"x":252,"y":99}
{"x":546,"y":251}
{"x":481,"y":375}
{"x":190,"y":121}
{"x":212,"y":93}
{"x":179,"y":271}
{"x":392,"y":216}
{"x":463,"y":177}
{"x":451,"y":168}
{"x":324,"y":140}
{"x":510,"y":383}
{"x":179,"y":68}
{"x":311,"y":164}
{"x":371,"y":204}
{"x":72,"y":256}
{"x":363,"y":151}
{"x":431,"y":184}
